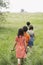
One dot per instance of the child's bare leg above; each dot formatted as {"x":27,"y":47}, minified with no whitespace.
{"x":19,"y":61}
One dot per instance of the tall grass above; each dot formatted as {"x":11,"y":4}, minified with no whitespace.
{"x":8,"y":32}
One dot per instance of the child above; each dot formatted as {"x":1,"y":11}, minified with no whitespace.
{"x":20,"y":46}
{"x":31,"y":32}
{"x":27,"y":36}
{"x":28,"y":24}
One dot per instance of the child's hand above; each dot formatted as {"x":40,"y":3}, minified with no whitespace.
{"x":12,"y":50}
{"x":26,"y":51}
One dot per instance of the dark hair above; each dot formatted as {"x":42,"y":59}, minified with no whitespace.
{"x":30,"y":27}
{"x":28,"y":23}
{"x":20,"y":32}
{"x":25,"y":28}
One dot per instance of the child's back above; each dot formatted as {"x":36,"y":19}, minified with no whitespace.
{"x":31,"y":33}
{"x":26,"y":35}
{"x":20,"y":46}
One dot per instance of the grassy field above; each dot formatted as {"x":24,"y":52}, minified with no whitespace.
{"x":8,"y":32}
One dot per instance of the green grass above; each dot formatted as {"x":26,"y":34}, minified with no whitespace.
{"x":8,"y":32}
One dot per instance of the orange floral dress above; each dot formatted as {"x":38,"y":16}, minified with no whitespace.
{"x":20,"y":47}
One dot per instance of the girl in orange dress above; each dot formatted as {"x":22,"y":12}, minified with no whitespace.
{"x":26,"y":35}
{"x":20,"y":46}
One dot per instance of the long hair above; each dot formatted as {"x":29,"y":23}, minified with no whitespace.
{"x":20,"y":32}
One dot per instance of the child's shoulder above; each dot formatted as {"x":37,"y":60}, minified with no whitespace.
{"x":16,"y":39}
{"x":27,"y":31}
{"x":27,"y":34}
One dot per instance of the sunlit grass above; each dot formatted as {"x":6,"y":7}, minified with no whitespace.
{"x":8,"y":32}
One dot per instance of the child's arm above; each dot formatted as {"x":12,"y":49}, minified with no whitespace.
{"x":25,"y":44}
{"x":14,"y":46}
{"x":26,"y":47}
